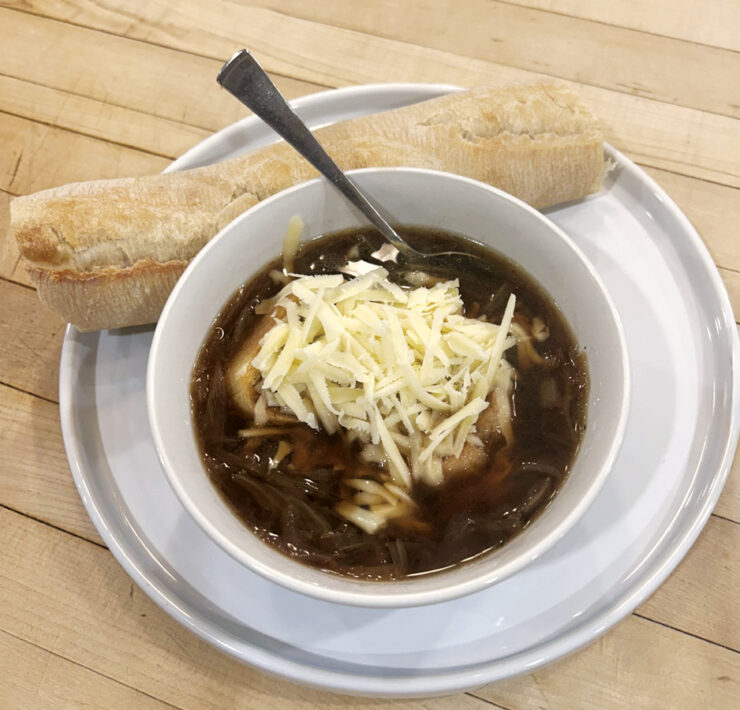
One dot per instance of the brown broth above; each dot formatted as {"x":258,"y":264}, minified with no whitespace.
{"x":290,"y":506}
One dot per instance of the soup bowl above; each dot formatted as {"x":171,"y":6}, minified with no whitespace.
{"x":439,"y":201}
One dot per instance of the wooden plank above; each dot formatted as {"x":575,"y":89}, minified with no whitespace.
{"x":73,"y":599}
{"x":40,"y":156}
{"x":34,"y":679}
{"x":714,"y":24}
{"x":639,"y":63}
{"x":91,"y":117}
{"x":713,"y":209}
{"x":30,"y":342}
{"x":130,"y":75}
{"x":35,"y":478}
{"x":695,"y":597}
{"x":100,"y":119}
{"x":655,"y":133}
{"x":638,"y":665}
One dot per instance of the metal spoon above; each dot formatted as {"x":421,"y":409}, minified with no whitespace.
{"x":244,"y":78}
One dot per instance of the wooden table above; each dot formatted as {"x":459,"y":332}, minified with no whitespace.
{"x":106,"y":88}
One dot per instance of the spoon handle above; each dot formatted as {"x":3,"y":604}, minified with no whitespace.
{"x":243,"y":77}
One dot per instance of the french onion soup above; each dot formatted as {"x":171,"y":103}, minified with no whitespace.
{"x":391,"y":424}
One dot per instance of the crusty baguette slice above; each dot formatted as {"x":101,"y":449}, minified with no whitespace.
{"x":106,"y":254}
{"x":114,"y":297}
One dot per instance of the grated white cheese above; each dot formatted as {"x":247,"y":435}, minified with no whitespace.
{"x":403,"y":370}
{"x":292,"y":241}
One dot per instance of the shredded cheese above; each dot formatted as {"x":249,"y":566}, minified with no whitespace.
{"x":402,"y":370}
{"x":292,"y":242}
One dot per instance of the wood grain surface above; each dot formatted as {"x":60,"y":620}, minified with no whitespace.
{"x":107,"y":88}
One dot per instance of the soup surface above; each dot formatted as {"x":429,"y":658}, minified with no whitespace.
{"x":289,"y":500}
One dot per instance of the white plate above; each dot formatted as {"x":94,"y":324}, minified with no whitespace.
{"x":678,"y":448}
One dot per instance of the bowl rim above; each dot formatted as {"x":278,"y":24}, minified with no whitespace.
{"x":333,"y":591}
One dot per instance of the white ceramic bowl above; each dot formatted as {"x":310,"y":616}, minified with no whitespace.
{"x":409,"y":196}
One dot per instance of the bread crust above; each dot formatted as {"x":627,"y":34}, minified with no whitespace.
{"x":94,"y":246}
{"x":109,"y":298}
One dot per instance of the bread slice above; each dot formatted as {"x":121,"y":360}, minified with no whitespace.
{"x":105,"y":254}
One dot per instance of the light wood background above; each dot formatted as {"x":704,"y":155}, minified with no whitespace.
{"x":106,"y":88}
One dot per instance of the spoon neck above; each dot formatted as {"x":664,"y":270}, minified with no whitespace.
{"x":244,"y":78}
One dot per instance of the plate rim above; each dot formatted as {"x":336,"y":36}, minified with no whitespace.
{"x":457,"y":679}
